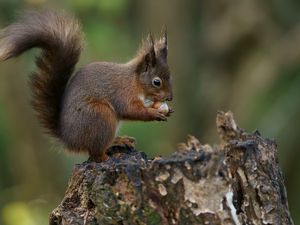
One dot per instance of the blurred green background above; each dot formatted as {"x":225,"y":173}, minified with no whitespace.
{"x":241,"y":55}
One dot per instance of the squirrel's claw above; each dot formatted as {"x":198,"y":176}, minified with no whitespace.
{"x":170,"y":112}
{"x":161,"y":117}
{"x":124,"y":141}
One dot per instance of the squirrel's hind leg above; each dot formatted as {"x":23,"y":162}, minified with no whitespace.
{"x":91,"y":129}
{"x":124,"y":141}
{"x":103,"y":123}
{"x":98,"y":158}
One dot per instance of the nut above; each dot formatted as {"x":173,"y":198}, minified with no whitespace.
{"x":162,"y":107}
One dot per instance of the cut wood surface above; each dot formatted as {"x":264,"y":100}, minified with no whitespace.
{"x":236,"y":182}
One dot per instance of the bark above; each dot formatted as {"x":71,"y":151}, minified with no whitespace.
{"x":236,"y":182}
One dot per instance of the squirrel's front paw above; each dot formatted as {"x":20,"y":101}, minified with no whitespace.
{"x":170,"y":112}
{"x":163,"y":108}
{"x":160,"y":116}
{"x":124,"y":141}
{"x":155,"y":114}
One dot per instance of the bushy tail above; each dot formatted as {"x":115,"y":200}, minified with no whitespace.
{"x":61,"y":40}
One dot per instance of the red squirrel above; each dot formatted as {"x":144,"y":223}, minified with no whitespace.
{"x":83,"y":110}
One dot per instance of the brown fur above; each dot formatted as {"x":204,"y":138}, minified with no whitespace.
{"x":84,"y":112}
{"x":60,"y":37}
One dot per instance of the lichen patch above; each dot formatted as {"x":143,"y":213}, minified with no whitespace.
{"x":162,"y":190}
{"x":207,"y":195}
{"x":176,"y":176}
{"x":163,"y":176}
{"x":229,"y":202}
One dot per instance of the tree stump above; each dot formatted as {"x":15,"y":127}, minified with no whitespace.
{"x":236,"y":182}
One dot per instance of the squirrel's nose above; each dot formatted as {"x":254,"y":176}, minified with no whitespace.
{"x":170,"y":97}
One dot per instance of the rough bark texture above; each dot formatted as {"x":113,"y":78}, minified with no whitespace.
{"x":237,"y":182}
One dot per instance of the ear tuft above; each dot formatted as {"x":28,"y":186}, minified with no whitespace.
{"x":164,"y":35}
{"x":162,"y":45}
{"x":147,"y":54}
{"x":150,"y":39}
{"x":150,"y":54}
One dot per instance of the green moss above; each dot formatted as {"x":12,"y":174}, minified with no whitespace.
{"x":106,"y":203}
{"x":186,"y":217}
{"x":144,"y":216}
{"x":151,"y":216}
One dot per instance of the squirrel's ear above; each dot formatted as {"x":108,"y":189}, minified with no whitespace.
{"x":148,"y":57}
{"x":162,"y":45}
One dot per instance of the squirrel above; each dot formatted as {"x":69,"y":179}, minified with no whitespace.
{"x":83,"y":109}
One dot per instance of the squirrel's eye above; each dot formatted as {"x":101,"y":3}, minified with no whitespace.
{"x":156,"y":82}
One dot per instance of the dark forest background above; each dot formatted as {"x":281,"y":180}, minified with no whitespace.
{"x":237,"y":55}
